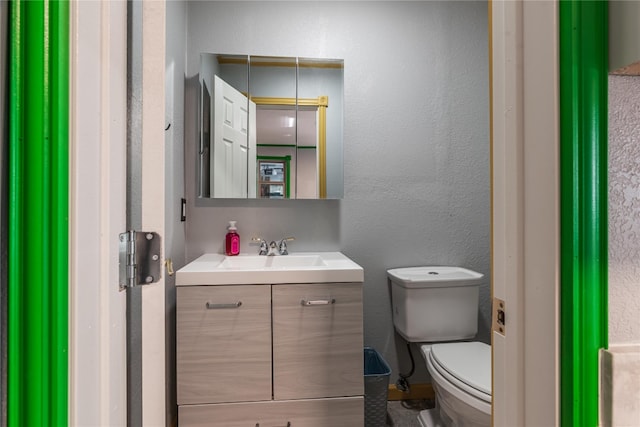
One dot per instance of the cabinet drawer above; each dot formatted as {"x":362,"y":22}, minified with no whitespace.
{"x":223,"y":351}
{"x":348,"y":412}
{"x":317,"y":340}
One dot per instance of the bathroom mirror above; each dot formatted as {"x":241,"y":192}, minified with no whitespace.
{"x":270,"y":127}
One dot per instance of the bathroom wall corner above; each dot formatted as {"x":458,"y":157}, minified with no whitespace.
{"x":620,"y":386}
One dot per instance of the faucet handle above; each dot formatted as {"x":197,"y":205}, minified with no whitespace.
{"x":263,"y":245}
{"x":282,"y":248}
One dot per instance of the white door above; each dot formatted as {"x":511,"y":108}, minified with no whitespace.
{"x":152,"y":206}
{"x":253,"y":152}
{"x":525,"y":205}
{"x":97,"y":195}
{"x":230,"y":150}
{"x":98,"y":135}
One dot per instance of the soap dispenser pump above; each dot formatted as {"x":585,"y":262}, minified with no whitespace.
{"x":232,"y":241}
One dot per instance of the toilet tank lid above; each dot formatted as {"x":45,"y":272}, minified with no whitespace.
{"x":435,"y":276}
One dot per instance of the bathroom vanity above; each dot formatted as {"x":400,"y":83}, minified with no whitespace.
{"x":270,"y":341}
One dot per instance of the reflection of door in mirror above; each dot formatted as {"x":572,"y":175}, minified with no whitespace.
{"x":205,"y":141}
{"x":273,"y":177}
{"x":231,"y":156}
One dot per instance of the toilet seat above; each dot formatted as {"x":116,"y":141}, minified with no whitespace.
{"x":467,"y":363}
{"x":476,"y":355}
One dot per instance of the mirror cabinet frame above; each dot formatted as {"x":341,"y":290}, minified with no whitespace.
{"x":319,"y":104}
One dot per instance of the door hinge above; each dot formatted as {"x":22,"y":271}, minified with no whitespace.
{"x":499,"y":317}
{"x":139,"y":258}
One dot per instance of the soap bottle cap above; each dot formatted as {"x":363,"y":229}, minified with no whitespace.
{"x":232,"y":226}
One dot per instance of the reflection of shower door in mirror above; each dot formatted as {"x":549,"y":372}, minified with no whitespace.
{"x":231,"y":154}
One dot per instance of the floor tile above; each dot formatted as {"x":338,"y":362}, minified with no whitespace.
{"x":405,"y":413}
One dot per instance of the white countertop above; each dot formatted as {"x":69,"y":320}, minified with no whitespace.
{"x":297,"y":267}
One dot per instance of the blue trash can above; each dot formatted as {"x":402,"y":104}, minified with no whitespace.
{"x":376,"y":388}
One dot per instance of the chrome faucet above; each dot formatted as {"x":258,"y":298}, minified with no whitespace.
{"x":273,"y":248}
{"x":282,"y":247}
{"x":264,"y":249}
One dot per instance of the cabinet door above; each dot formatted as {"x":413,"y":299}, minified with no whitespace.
{"x":348,"y":412}
{"x":317,"y":340}
{"x":223,"y":343}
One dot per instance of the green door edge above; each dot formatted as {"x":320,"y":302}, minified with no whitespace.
{"x":583,"y":217}
{"x":37,"y":282}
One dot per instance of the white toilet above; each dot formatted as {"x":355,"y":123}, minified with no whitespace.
{"x":438,"y":306}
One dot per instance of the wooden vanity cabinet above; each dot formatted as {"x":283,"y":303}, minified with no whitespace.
{"x":317,"y":340}
{"x":223,"y":351}
{"x":338,"y":412}
{"x":289,"y":354}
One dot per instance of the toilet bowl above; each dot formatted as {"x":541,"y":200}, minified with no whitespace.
{"x":461,"y":377}
{"x":439,"y":305}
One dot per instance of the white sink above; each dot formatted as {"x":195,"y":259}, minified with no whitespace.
{"x":284,"y":261}
{"x":300,"y":267}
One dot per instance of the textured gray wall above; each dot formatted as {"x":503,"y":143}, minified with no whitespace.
{"x":624,"y":209}
{"x":416,"y":132}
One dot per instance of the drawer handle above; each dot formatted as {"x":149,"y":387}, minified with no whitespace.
{"x":305,"y":302}
{"x":287,"y":425}
{"x":212,"y":306}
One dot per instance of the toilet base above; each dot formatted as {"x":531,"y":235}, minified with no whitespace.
{"x":430,"y":418}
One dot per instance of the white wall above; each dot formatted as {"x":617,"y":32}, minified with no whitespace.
{"x":416,"y":156}
{"x":621,"y":362}
{"x":624,"y":209}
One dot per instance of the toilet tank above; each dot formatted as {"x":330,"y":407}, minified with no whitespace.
{"x":432,"y":304}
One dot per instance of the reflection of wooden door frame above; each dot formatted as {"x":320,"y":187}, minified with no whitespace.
{"x":321,"y":102}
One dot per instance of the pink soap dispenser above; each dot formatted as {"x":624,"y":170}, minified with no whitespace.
{"x":232,"y":239}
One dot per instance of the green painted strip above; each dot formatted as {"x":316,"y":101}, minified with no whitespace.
{"x":277,"y":145}
{"x":36,"y":375}
{"x":15,"y":387}
{"x":274,"y":158}
{"x":299,"y":147}
{"x":38,"y":214}
{"x":287,"y":187}
{"x":583,"y":105}
{"x":60,"y":210}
